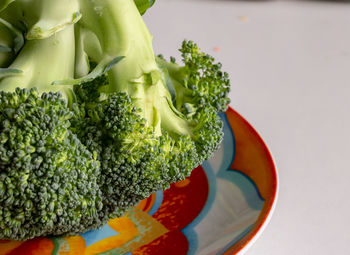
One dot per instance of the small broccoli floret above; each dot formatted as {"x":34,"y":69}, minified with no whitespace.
{"x":199,"y":83}
{"x":48,"y":179}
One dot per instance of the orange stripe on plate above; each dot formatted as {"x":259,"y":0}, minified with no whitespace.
{"x":146,"y":204}
{"x":7,"y":246}
{"x":76,"y":245}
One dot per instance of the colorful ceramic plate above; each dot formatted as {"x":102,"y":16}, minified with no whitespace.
{"x":220,"y":209}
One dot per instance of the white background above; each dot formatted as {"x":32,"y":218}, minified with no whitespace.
{"x":289,"y":63}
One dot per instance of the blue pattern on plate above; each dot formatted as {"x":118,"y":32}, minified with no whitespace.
{"x":239,"y":237}
{"x":94,"y":236}
{"x":157,"y":203}
{"x":243,"y":182}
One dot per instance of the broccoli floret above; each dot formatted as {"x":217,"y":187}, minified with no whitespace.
{"x":144,"y":140}
{"x":200,"y":82}
{"x":48,"y":179}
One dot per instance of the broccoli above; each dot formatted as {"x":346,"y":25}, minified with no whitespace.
{"x":134,"y":119}
{"x":48,"y":178}
{"x":91,"y":120}
{"x":11,"y":41}
{"x":6,"y":52}
{"x":200,"y":82}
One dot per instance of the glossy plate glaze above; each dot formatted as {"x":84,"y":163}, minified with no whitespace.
{"x":220,"y":209}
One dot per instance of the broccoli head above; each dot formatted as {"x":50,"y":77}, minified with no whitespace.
{"x":133,"y":116}
{"x":91,"y":120}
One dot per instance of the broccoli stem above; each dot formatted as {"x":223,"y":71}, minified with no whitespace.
{"x":177,"y":74}
{"x":41,"y":18}
{"x":43,"y":61}
{"x":6,"y":45}
{"x":4,"y":4}
{"x":122,"y":32}
{"x":49,"y":17}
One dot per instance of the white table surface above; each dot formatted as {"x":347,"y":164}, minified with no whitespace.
{"x":289,"y":63}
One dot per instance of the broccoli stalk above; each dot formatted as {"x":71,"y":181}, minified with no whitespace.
{"x":11,"y":42}
{"x":41,"y":62}
{"x":6,"y":45}
{"x":4,"y":4}
{"x":49,"y":51}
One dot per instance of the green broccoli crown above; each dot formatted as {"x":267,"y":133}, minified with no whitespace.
{"x":98,"y":122}
{"x":48,"y":179}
